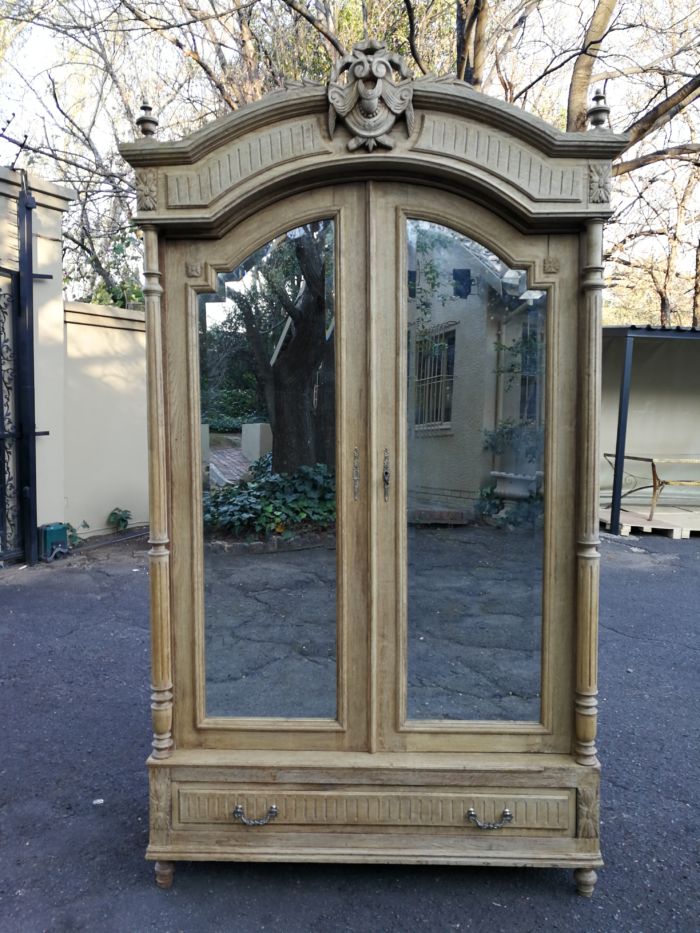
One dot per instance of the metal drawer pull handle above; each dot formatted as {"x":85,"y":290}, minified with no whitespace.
{"x":506,"y":817}
{"x":238,"y":814}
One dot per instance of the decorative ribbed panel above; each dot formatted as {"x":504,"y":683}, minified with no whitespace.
{"x":546,"y":810}
{"x":201,"y":187}
{"x":501,"y":156}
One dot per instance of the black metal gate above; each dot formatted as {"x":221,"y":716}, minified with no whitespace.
{"x":11,"y":524}
{"x":18,"y":528}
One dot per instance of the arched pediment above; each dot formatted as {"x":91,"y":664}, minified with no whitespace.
{"x":438,"y":132}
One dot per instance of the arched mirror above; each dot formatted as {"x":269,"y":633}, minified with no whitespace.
{"x":475,"y":428}
{"x":267,"y":390}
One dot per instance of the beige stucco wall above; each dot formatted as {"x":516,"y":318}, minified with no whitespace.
{"x":664,"y":412}
{"x":89,"y":379}
{"x":446,"y":467}
{"x":106,"y":453}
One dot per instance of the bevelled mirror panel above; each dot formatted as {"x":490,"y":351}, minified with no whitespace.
{"x":475,"y":436}
{"x":267,"y":373}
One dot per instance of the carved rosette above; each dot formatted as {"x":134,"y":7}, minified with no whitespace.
{"x":599,"y":184}
{"x":193,"y":269}
{"x":147,"y":190}
{"x":588,"y":816}
{"x":369,"y":101}
{"x":551,"y":265}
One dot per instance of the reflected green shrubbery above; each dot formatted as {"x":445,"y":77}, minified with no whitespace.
{"x":502,"y":513}
{"x":273,"y":503}
{"x":227,"y":410}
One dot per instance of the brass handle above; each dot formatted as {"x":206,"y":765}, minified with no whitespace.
{"x":506,"y":817}
{"x":386,"y":475}
{"x":239,"y":814}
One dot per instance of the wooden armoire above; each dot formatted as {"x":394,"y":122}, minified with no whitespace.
{"x":394,"y":285}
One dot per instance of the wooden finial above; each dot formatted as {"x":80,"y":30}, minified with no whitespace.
{"x":599,"y":112}
{"x":147,"y":123}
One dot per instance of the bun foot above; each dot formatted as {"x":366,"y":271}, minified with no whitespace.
{"x":585,"y":879}
{"x":164,"y":874}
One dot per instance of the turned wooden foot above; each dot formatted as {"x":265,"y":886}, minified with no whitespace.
{"x":164,"y":874}
{"x":585,"y":879}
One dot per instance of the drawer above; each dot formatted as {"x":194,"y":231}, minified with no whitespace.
{"x":549,"y":810}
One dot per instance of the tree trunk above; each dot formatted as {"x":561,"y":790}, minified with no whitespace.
{"x":300,"y":424}
{"x":480,"y":44}
{"x":293,"y":442}
{"x":581,"y":77}
{"x":325,"y":408}
{"x":696,"y":288}
{"x":665,"y":311}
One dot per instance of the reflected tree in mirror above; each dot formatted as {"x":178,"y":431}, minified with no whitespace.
{"x":271,"y":349}
{"x":267,"y":370}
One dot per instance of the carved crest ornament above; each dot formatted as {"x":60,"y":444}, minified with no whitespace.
{"x":369,"y":101}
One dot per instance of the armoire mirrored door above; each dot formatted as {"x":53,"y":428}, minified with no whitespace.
{"x":372,"y":539}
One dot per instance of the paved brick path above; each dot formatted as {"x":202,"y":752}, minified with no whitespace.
{"x":229,"y":463}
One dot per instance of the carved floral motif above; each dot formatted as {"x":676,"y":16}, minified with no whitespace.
{"x":599,"y":184}
{"x":551,"y":264}
{"x":369,"y":102}
{"x":193,"y":269}
{"x":588,"y":813}
{"x":147,"y":190}
{"x":159,"y":800}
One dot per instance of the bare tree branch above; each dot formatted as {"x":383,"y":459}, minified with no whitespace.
{"x":189,"y":53}
{"x":412,"y":36}
{"x":658,"y":116}
{"x":318,"y":24}
{"x":688,"y":152}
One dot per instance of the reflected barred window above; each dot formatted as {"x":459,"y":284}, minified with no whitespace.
{"x":434,"y":377}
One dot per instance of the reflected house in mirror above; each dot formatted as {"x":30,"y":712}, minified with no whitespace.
{"x":476,"y":377}
{"x":475,"y":418}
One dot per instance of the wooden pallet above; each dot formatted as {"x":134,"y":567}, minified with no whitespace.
{"x":635,"y":521}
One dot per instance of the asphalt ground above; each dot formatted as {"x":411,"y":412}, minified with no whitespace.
{"x":73,"y":796}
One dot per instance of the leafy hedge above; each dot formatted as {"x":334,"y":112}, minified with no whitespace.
{"x":273,"y":503}
{"x":222,"y":424}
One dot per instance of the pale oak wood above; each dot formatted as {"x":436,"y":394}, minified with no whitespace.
{"x":198,"y":220}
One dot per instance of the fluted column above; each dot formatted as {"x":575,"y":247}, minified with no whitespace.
{"x":587,"y":538}
{"x":161,"y":654}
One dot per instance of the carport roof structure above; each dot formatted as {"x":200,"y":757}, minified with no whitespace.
{"x":630,"y":334}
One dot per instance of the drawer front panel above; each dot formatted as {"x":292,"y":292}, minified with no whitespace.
{"x":548,"y":810}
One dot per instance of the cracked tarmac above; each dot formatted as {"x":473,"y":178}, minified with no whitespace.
{"x":73,"y":792}
{"x":473,"y":627}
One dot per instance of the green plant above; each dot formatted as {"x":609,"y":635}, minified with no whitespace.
{"x":119,"y":518}
{"x":222,"y":424}
{"x":74,"y":538}
{"x":524,"y":439}
{"x":523,"y":512}
{"x":508,"y":514}
{"x":273,"y":503}
{"x":521,"y":357}
{"x":261,"y":467}
{"x":488,"y":504}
